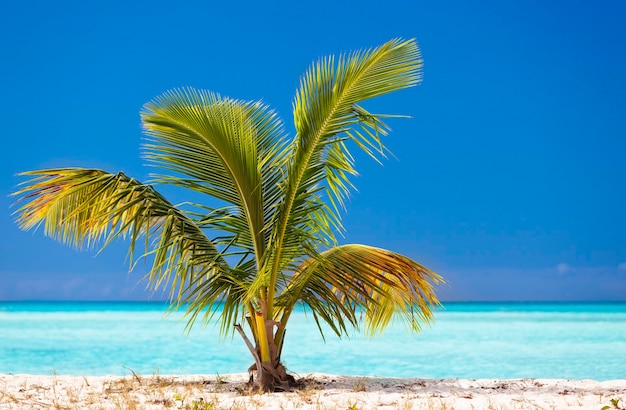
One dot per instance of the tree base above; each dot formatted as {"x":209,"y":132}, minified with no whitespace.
{"x":271,"y":379}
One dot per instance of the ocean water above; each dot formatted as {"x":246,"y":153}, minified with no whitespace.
{"x":467,"y":340}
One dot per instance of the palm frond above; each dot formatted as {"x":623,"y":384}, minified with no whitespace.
{"x":231,"y":150}
{"x":326,"y":114}
{"x":327,"y":109}
{"x":90,"y":208}
{"x":350,"y":279}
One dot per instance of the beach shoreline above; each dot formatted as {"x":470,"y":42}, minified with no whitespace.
{"x":319,"y":391}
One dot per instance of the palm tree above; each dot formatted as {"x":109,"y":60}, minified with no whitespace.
{"x":265,"y":240}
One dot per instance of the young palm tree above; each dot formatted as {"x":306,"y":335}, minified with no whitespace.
{"x":270,"y":242}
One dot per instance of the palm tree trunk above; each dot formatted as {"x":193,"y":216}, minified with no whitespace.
{"x":271,"y":375}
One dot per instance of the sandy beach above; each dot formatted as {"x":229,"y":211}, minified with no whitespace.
{"x":319,"y":391}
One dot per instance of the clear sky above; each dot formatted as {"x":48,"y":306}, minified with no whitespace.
{"x":509,"y":180}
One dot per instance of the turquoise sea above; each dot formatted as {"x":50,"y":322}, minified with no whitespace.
{"x":467,"y":340}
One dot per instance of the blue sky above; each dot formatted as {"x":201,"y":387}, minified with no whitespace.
{"x":509,"y":180}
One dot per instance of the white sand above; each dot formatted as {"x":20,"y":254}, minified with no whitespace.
{"x":321,"y":391}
